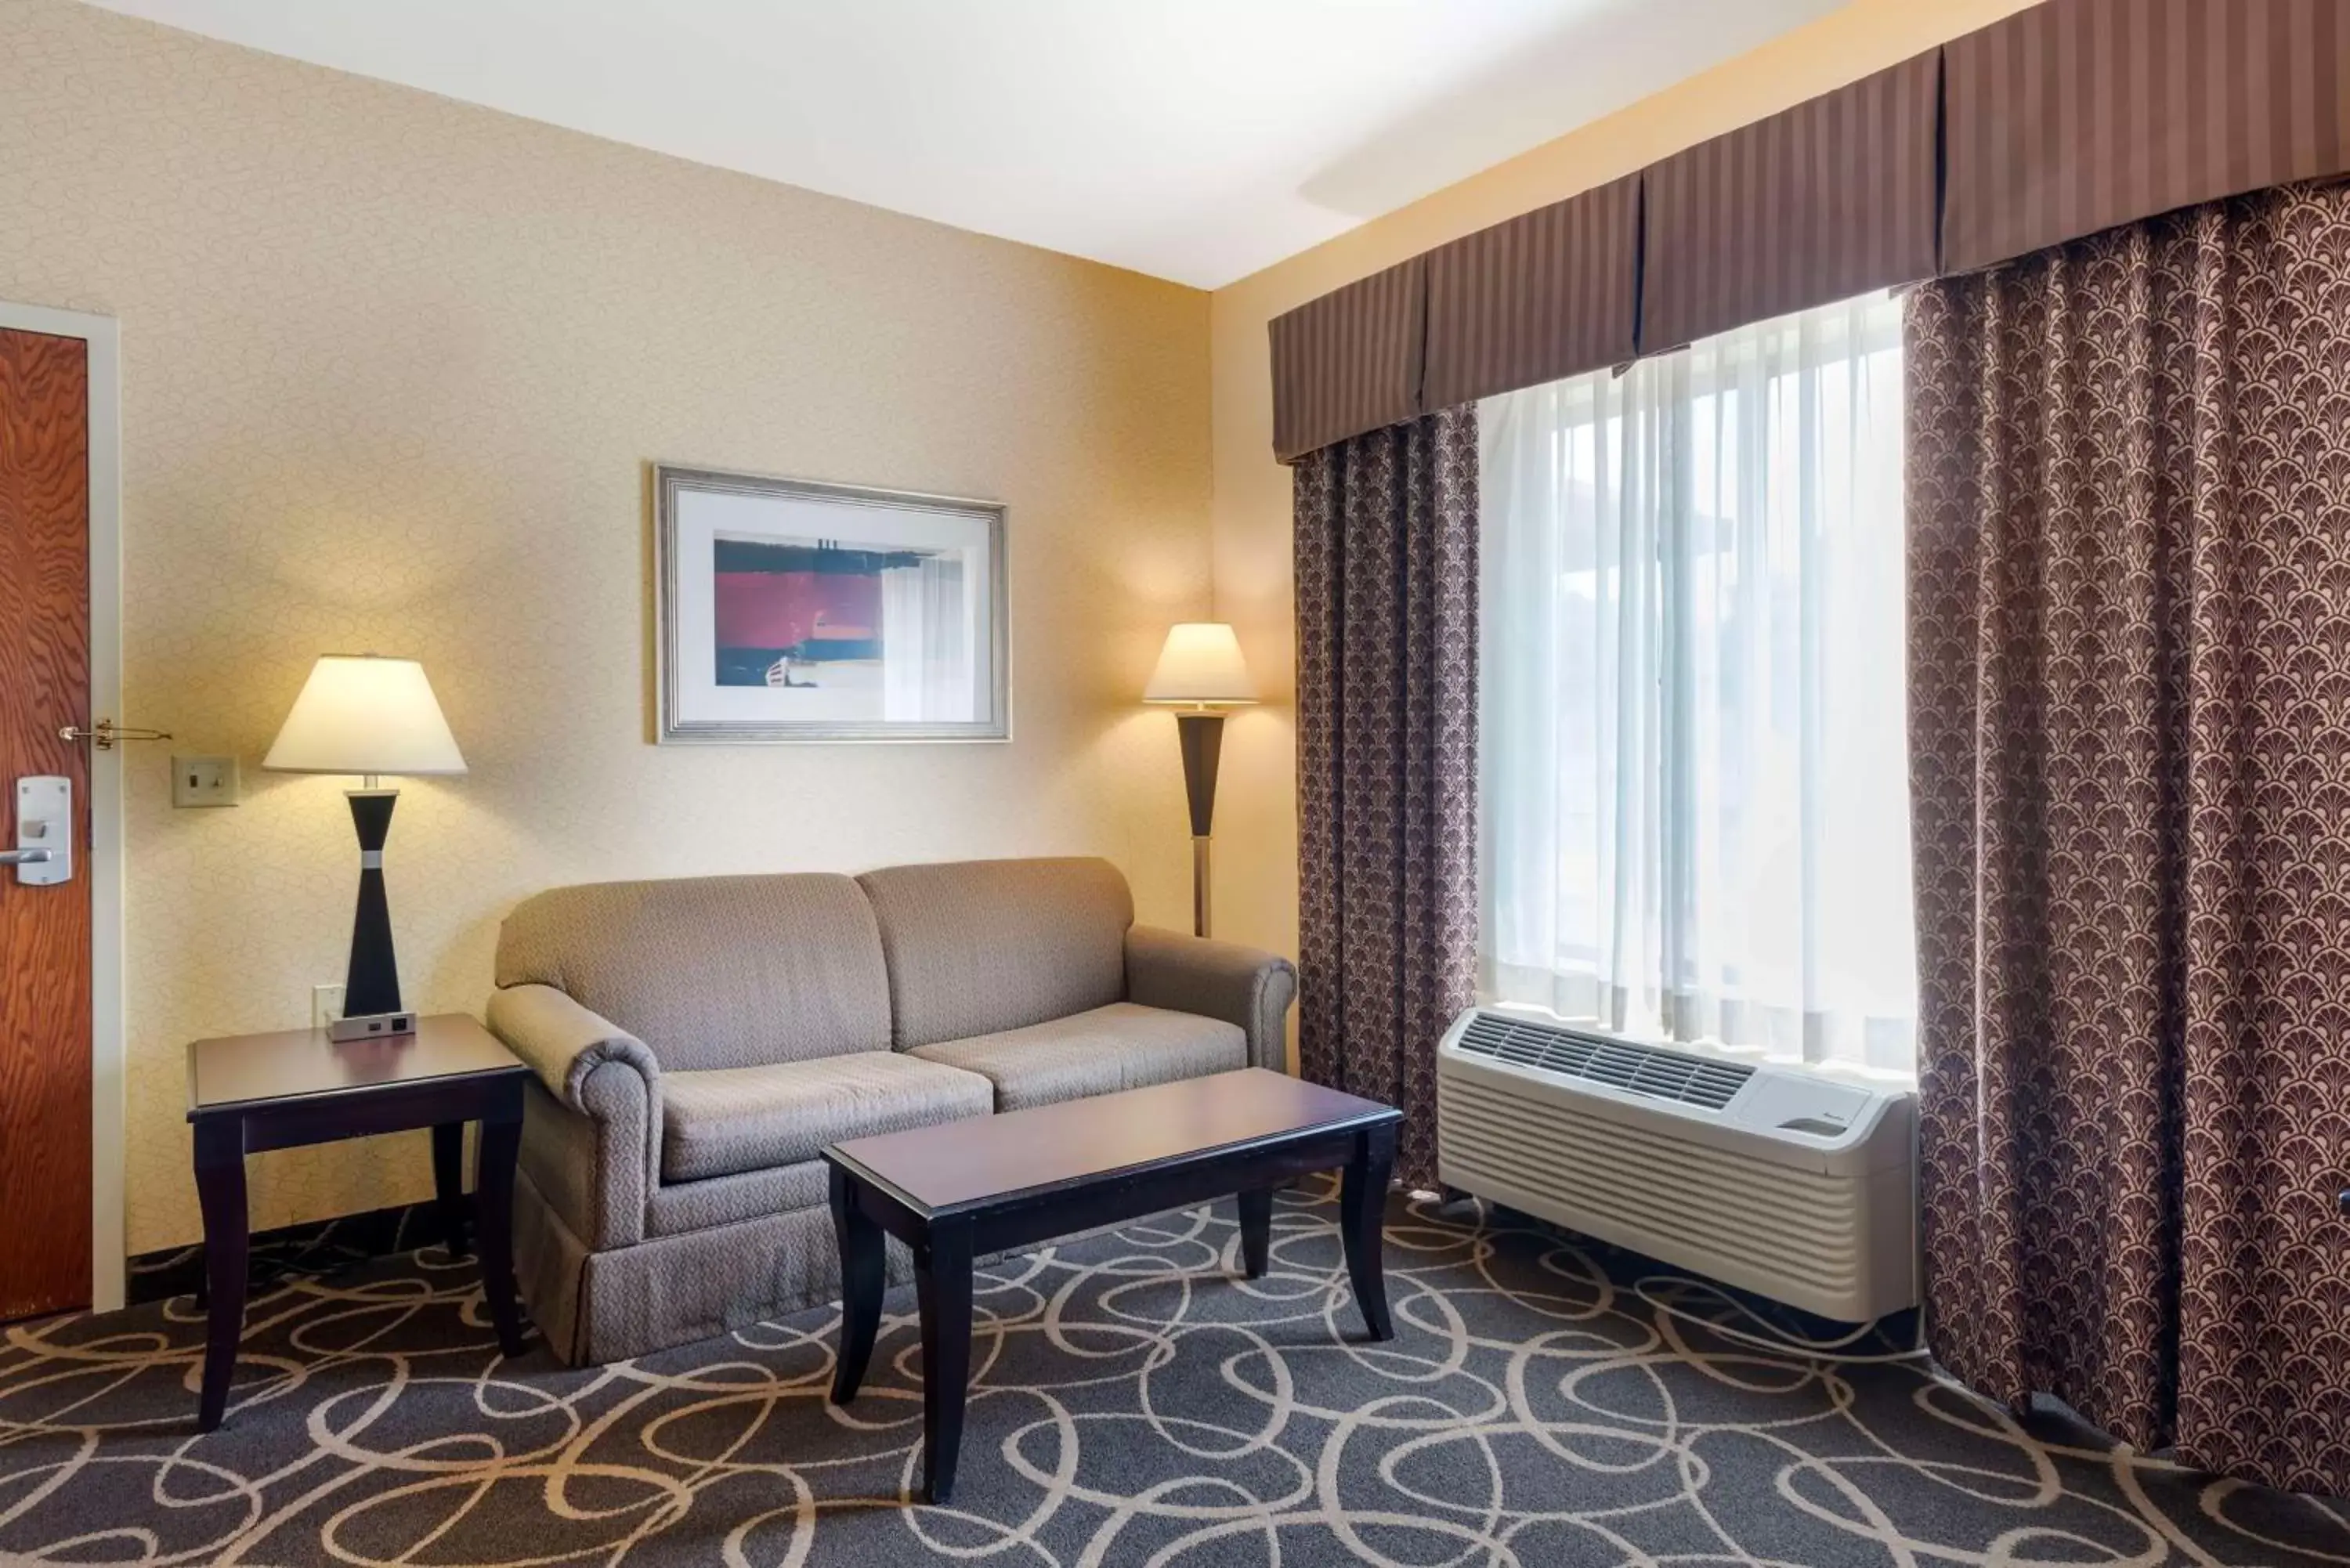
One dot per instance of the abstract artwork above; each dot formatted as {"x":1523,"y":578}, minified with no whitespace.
{"x":792,"y":610}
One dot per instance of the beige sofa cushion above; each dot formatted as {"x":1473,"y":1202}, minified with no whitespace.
{"x":734,"y":1119}
{"x":711,"y":972}
{"x":1121,"y":1046}
{"x":978,"y":947}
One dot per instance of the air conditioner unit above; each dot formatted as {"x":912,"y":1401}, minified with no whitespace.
{"x":1779,"y":1180}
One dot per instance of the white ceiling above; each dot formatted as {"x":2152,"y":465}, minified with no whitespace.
{"x":1196,"y":140}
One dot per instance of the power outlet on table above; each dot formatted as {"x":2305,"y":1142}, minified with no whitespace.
{"x":326,"y":1005}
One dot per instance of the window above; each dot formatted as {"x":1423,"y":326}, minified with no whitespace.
{"x":1693,"y":772}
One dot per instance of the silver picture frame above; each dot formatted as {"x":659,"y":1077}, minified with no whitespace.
{"x":708,"y":691}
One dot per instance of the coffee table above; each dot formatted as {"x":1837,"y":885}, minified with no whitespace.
{"x":969,"y":1189}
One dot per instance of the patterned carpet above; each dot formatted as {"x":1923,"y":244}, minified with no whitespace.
{"x":1137,"y":1403}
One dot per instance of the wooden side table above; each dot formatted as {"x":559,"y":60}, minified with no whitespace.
{"x":248,"y":1093}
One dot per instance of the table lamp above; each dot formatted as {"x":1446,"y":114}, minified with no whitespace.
{"x":1201,"y":670}
{"x":362,"y":714}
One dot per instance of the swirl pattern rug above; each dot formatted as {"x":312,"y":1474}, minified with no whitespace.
{"x":1134,"y":1401}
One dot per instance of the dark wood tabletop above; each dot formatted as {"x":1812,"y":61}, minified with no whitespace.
{"x":960,"y":1191}
{"x":941,"y":1170}
{"x":293,"y":1063}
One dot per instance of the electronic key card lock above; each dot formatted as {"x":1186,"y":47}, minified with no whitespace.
{"x":45,"y":830}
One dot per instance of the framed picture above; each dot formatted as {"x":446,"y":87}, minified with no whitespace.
{"x":791,"y":610}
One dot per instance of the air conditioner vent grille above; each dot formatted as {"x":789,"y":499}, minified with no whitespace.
{"x":1660,"y":1075}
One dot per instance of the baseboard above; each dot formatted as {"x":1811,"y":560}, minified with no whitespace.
{"x":314,"y":1247}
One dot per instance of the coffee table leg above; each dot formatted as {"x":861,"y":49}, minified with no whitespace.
{"x":448,"y":1185}
{"x":493,"y":1184}
{"x":1256,"y":1230}
{"x":861,"y":1245}
{"x":942,"y":1280}
{"x":220,"y":1192}
{"x":1362,"y":1217}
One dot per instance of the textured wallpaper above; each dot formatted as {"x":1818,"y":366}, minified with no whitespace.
{"x":393,"y":367}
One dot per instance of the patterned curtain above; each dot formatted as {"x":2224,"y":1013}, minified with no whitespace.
{"x":2129,"y":507}
{"x":1386,"y":761}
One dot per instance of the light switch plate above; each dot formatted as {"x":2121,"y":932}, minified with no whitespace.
{"x":205,"y":781}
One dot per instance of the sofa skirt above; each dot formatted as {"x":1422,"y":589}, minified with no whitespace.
{"x":666,"y":1291}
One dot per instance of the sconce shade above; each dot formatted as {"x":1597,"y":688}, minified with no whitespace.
{"x":359,"y":714}
{"x":1201,"y":664}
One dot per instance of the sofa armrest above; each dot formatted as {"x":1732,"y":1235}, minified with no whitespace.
{"x":562,"y":1042}
{"x":1244,"y":986}
{"x":591,"y":1143}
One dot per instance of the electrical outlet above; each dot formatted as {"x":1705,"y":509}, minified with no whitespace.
{"x":205,"y":781}
{"x":326,"y":1005}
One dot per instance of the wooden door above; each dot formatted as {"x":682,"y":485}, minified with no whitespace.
{"x":45,"y":932}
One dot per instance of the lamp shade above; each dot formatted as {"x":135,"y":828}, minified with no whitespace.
{"x":359,"y":714}
{"x":1201,"y":664}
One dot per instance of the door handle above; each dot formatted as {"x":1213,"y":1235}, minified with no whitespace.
{"x":45,"y":829}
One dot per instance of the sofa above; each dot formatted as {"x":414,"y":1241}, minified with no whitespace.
{"x":695,"y":1042}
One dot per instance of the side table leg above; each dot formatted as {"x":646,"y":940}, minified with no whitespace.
{"x":220,"y":1192}
{"x":493,"y":1182}
{"x":1256,"y":1230}
{"x":448,"y":1185}
{"x":942,"y":1280}
{"x":1362,"y":1220}
{"x":861,"y":1259}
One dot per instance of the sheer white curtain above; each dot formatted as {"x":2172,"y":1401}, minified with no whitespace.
{"x":927,"y":648}
{"x":1693,"y":770}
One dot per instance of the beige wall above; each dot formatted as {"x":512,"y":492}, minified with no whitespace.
{"x":1257,"y":815}
{"x":392,"y":368}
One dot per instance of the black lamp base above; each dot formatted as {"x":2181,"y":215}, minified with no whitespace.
{"x":1201,"y":736}
{"x":371,"y":983}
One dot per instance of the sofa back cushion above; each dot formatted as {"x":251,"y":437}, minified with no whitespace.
{"x":977,"y":947}
{"x":712,"y":972}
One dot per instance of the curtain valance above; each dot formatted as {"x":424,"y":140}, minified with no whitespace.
{"x":1349,"y":361}
{"x":2081,"y":115}
{"x":1829,"y":200}
{"x":1541,"y":297}
{"x":2061,"y":121}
